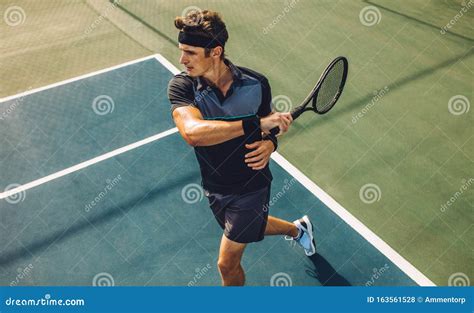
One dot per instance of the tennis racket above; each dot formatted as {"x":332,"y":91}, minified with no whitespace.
{"x":327,"y":91}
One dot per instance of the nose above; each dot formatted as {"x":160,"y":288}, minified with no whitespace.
{"x":182,"y":59}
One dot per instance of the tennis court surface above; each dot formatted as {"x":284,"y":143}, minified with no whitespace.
{"x":108,"y":192}
{"x":120,"y":203}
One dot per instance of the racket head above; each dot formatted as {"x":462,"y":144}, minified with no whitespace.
{"x":330,"y":85}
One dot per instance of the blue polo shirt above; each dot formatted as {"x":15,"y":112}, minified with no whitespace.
{"x":223,"y":167}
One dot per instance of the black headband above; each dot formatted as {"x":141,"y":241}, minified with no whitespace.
{"x":198,"y":40}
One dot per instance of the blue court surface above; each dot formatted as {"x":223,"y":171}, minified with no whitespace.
{"x":98,"y":188}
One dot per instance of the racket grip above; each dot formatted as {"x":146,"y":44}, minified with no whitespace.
{"x":275,"y":131}
{"x":297,"y":112}
{"x":294,"y":114}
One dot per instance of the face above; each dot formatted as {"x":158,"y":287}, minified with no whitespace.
{"x":194,"y":59}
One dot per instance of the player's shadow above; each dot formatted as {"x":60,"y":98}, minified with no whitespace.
{"x":133,"y":203}
{"x":325,"y":273}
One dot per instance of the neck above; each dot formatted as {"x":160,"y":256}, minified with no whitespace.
{"x":219,"y":74}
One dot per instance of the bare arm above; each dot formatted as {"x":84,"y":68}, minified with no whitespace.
{"x":200,"y":132}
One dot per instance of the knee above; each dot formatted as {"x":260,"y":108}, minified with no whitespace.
{"x":227,"y":267}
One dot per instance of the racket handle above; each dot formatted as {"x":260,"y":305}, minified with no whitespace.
{"x":297,"y":112}
{"x":275,"y":131}
{"x":294,"y":114}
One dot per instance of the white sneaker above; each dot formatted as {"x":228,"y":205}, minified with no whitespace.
{"x":306,"y":237}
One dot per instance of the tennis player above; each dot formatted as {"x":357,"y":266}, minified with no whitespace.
{"x":224,"y":112}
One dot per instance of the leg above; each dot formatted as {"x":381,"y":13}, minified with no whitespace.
{"x":276,"y":226}
{"x":230,"y":254}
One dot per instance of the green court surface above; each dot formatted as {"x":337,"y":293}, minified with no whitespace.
{"x":141,"y":216}
{"x":395,"y":135}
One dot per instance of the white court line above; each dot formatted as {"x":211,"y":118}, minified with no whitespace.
{"x":347,"y":217}
{"x":338,"y":209}
{"x":67,"y":81}
{"x":173,"y":69}
{"x":87,"y":163}
{"x":357,"y":225}
{"x":100,"y":158}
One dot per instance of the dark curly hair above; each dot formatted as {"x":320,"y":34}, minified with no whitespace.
{"x":206,"y":23}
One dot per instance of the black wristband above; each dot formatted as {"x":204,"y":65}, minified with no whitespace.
{"x":274,"y":140}
{"x":251,"y":125}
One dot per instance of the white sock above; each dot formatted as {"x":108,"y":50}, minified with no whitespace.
{"x":300,"y":233}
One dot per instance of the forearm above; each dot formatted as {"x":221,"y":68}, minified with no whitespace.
{"x":208,"y":133}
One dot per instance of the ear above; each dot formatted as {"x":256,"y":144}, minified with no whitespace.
{"x":217,"y":51}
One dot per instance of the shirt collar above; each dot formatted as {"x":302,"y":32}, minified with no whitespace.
{"x":236,"y":76}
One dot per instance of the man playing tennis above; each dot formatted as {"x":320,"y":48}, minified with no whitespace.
{"x":224,"y":112}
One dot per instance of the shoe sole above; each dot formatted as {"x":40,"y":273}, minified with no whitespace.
{"x":310,"y":232}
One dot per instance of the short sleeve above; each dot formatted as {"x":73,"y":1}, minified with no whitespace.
{"x":180,"y":92}
{"x":266,"y":105}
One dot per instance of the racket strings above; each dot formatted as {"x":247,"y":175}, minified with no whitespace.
{"x":330,"y":88}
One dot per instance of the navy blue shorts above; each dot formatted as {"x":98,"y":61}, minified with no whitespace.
{"x":242,"y":217}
